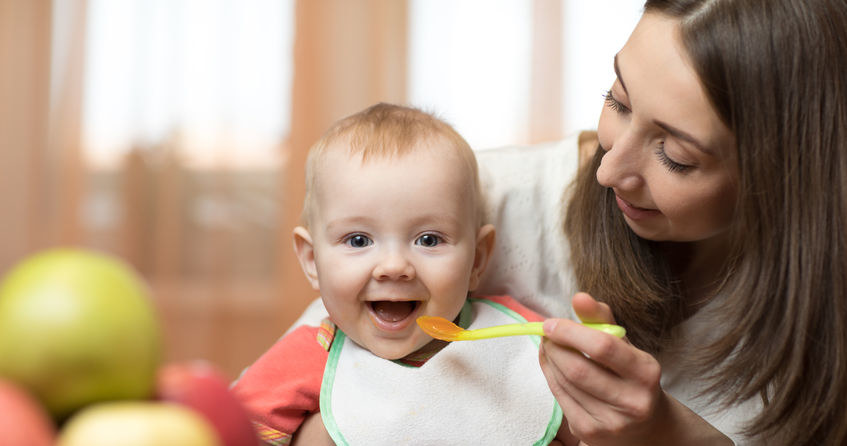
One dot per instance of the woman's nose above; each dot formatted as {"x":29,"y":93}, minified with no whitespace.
{"x":621,"y":165}
{"x":393,"y":265}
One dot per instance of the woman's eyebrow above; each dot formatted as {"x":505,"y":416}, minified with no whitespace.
{"x":679,"y":134}
{"x":618,"y":74}
{"x":672,"y":130}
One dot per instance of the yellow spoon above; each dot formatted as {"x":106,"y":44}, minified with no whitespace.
{"x":440,"y":328}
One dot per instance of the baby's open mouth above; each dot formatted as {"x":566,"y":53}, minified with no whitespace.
{"x":393,"y":311}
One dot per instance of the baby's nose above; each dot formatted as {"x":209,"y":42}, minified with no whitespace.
{"x":394,"y":266}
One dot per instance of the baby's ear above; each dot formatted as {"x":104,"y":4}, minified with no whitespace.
{"x":484,"y":246}
{"x":305,"y":251}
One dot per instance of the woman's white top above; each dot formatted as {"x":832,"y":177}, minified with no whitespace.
{"x":525,"y":188}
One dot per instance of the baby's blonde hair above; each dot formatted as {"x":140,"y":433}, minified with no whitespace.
{"x":387,"y":130}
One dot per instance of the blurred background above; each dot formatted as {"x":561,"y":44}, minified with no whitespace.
{"x":172,"y":133}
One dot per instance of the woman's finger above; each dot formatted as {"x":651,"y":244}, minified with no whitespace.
{"x":575,"y":371}
{"x":590,"y":310}
{"x":587,"y":416}
{"x":603,"y":348}
{"x":595,"y":387}
{"x":574,"y":413}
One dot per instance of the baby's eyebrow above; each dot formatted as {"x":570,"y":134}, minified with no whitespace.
{"x":438,"y":219}
{"x":348,"y":221}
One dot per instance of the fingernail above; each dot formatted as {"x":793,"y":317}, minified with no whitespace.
{"x":550,"y":325}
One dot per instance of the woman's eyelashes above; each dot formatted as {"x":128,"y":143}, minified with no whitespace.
{"x":670,"y":164}
{"x":614,"y":104}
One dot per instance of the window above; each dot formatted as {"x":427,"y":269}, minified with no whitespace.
{"x":470,"y":61}
{"x":211,"y":76}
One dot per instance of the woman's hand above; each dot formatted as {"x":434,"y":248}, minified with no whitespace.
{"x":609,"y":390}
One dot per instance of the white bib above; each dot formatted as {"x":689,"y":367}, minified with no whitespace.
{"x":488,"y":392}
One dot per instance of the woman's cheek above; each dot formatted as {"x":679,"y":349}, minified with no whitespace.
{"x":605,"y":129}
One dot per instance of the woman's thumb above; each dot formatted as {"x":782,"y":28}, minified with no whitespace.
{"x":590,"y":311}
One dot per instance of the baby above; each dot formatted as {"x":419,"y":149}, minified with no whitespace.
{"x":392,"y":230}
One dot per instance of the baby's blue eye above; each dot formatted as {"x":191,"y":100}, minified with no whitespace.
{"x":358,"y":241}
{"x":428,"y":240}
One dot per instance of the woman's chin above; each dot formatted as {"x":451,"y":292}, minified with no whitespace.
{"x":647,"y":233}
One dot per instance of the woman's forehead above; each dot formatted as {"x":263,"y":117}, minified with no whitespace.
{"x":664,"y":88}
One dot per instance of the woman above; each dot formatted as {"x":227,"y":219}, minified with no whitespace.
{"x":711,"y":224}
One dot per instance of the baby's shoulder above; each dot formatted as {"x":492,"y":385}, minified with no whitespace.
{"x":310,"y":335}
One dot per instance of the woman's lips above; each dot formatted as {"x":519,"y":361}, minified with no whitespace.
{"x":634,"y":212}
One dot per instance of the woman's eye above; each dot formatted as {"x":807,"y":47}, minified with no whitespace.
{"x":428,"y":240}
{"x":614,"y":104}
{"x":670,"y":164}
{"x":358,"y":241}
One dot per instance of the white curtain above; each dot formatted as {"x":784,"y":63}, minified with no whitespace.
{"x":490,"y":68}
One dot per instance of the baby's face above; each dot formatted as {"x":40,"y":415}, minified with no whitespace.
{"x":394,"y":239}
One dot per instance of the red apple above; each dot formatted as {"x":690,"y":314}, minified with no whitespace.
{"x":77,"y":327}
{"x":137,"y":423}
{"x":201,"y":386}
{"x":23,"y":421}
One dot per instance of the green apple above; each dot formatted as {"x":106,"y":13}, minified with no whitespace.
{"x":78,"y":327}
{"x":137,"y":423}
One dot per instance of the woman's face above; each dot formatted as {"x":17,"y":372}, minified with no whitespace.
{"x":669,"y":159}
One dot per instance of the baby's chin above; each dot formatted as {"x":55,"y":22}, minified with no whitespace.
{"x":396,"y":349}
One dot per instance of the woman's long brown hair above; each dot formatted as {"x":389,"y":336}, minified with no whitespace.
{"x":776,"y":73}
